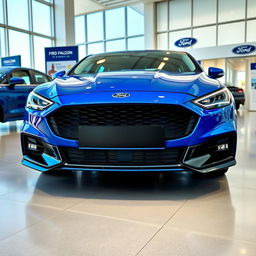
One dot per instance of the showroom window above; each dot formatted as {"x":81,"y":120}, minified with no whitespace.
{"x":1,"y":12}
{"x":211,"y":22}
{"x":115,"y":23}
{"x":100,"y":32}
{"x":29,"y":33}
{"x":19,"y":45}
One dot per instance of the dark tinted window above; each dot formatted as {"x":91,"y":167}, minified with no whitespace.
{"x":22,"y":74}
{"x":41,"y":78}
{"x":174,"y":62}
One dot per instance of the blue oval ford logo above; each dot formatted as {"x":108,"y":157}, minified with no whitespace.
{"x":244,"y":49}
{"x":185,"y":42}
{"x":121,"y":95}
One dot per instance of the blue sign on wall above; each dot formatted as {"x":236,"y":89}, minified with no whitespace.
{"x":11,"y":61}
{"x":60,"y":58}
{"x":253,"y":66}
{"x":244,"y":49}
{"x":186,"y":42}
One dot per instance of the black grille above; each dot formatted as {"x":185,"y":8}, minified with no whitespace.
{"x":122,"y":157}
{"x":178,"y":121}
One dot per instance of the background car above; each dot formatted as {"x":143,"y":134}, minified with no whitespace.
{"x":131,"y":111}
{"x":238,"y":94}
{"x":15,"y":85}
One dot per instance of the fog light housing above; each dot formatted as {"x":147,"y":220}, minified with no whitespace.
{"x":216,"y":150}
{"x":222,"y":147}
{"x":39,"y":152}
{"x":32,"y":147}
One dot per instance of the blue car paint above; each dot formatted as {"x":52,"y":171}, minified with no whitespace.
{"x":196,"y":85}
{"x":144,"y":87}
{"x":13,"y":98}
{"x":212,"y":122}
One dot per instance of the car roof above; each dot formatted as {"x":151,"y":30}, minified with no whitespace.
{"x":8,"y":69}
{"x":140,"y":51}
{"x":5,"y":68}
{"x":15,"y":67}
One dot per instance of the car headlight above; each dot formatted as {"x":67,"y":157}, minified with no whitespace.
{"x":217,"y":99}
{"x":38,"y":102}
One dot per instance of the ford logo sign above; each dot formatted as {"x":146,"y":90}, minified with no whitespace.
{"x":244,"y":49}
{"x":185,"y":42}
{"x":121,"y":95}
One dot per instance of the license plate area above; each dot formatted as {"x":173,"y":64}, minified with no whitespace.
{"x":121,"y":136}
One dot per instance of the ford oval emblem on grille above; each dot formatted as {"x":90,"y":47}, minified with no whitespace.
{"x":121,"y":95}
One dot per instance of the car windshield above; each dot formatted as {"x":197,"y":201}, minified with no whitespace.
{"x":174,"y":62}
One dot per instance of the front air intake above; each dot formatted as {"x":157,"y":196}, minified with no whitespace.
{"x":177,"y":121}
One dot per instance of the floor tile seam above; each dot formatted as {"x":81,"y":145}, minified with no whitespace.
{"x":193,"y":203}
{"x":33,"y":204}
{"x":211,"y":235}
{"x":159,"y":230}
{"x":114,"y":218}
{"x":74,"y":204}
{"x":28,"y":227}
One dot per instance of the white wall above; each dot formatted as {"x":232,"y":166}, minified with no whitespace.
{"x":217,"y":52}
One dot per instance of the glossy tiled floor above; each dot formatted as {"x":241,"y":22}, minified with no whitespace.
{"x":128,"y":214}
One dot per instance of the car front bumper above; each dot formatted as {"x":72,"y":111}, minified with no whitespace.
{"x":209,"y":147}
{"x":204,"y":157}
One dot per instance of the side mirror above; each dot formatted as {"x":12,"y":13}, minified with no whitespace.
{"x":16,"y":80}
{"x":59,"y":74}
{"x":215,"y":72}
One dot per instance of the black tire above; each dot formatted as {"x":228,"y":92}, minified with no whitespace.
{"x":237,"y":106}
{"x":217,"y":173}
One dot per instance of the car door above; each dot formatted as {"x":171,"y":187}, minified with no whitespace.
{"x":18,"y":93}
{"x":4,"y":98}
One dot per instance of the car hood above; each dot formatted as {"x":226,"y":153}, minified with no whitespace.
{"x":194,"y":85}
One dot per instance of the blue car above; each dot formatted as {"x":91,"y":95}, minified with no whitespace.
{"x":131,"y":111}
{"x":15,"y":85}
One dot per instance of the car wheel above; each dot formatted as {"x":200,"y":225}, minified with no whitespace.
{"x":217,"y":173}
{"x":237,"y":106}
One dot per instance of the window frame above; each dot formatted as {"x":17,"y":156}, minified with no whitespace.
{"x":105,"y":40}
{"x":217,"y":23}
{"x":9,"y":76}
{"x":30,"y":32}
{"x":34,"y":72}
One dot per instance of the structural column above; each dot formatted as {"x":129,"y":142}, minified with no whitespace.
{"x":150,"y":26}
{"x":64,"y":22}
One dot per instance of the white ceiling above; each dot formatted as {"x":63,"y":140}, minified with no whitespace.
{"x":87,"y":6}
